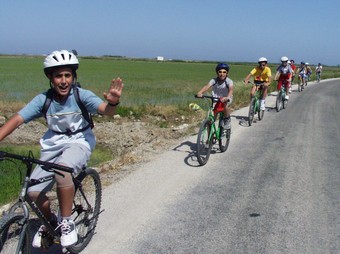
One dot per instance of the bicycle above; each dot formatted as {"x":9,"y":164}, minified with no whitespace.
{"x":209,"y":133}
{"x":318,"y":76}
{"x":15,"y":234}
{"x":302,"y":82}
{"x":254,"y":107}
{"x":281,"y":101}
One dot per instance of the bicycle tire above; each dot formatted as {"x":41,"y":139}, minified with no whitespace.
{"x":204,"y":145}
{"x":11,"y":230}
{"x":251,"y":112}
{"x":278,"y":101}
{"x":285,"y":103}
{"x":86,"y":207}
{"x":224,"y":140}
{"x":260,"y":114}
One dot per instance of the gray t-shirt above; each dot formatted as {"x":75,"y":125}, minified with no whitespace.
{"x":220,"y":88}
{"x":61,"y":117}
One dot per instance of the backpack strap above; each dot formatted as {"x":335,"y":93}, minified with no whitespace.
{"x":47,"y":103}
{"x":82,"y":107}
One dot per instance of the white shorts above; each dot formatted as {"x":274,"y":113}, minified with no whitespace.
{"x":73,"y":155}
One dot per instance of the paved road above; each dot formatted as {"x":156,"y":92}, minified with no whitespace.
{"x":275,"y":190}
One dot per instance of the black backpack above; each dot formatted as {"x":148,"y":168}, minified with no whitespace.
{"x":84,"y":111}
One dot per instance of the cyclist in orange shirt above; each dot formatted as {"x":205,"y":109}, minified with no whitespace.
{"x":262,"y":75}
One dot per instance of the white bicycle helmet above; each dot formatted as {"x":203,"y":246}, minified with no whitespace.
{"x":262,"y":59}
{"x":284,"y":59}
{"x":60,"y":58}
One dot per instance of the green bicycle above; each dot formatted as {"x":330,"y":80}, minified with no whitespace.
{"x":281,"y":101}
{"x":210,"y":133}
{"x":254,"y":106}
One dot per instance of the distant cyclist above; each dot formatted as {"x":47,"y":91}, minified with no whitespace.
{"x":262,"y":75}
{"x":284,"y":75}
{"x":318,"y":71}
{"x":302,"y":72}
{"x":308,"y":72}
{"x":292,"y":64}
{"x":222,"y":87}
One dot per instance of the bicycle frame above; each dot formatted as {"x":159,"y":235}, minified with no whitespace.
{"x":281,"y":101}
{"x":212,"y":118}
{"x":254,"y":106}
{"x":257,"y":96}
{"x":24,"y":201}
{"x":210,"y":133}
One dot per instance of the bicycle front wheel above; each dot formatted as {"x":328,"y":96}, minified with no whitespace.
{"x":204,"y":144}
{"x":285,"y":103}
{"x":278,"y":101}
{"x":86,"y":207}
{"x":224,"y":140}
{"x":251,"y":112}
{"x":14,"y":236}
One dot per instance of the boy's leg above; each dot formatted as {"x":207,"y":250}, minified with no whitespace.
{"x":74,"y":156}
{"x":65,"y":192}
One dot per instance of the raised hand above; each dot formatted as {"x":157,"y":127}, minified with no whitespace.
{"x":115,"y":91}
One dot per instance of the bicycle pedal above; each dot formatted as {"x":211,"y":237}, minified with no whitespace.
{"x":47,"y":240}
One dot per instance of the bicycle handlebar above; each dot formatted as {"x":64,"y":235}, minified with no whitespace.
{"x":48,"y":166}
{"x":214,"y":99}
{"x":255,"y":84}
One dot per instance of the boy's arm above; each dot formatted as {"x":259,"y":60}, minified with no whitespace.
{"x":203,"y":90}
{"x":13,"y":123}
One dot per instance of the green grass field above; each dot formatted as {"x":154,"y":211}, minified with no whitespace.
{"x":151,"y":88}
{"x":147,"y":83}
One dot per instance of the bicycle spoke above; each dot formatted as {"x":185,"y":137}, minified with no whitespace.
{"x":86,"y":208}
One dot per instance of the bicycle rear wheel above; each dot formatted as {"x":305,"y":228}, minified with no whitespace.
{"x":251,"y":112}
{"x":86,"y":207}
{"x":13,"y":232}
{"x":279,"y":101}
{"x":224,"y":140}
{"x":204,"y":145}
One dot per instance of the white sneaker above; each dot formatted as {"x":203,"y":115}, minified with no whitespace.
{"x":290,"y":90}
{"x":263,"y":105}
{"x":287,"y":97}
{"x":37,"y":237}
{"x":69,"y":234}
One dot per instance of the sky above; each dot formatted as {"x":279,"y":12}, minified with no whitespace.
{"x":212,"y":30}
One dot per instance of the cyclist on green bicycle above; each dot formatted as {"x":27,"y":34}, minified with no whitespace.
{"x":284,"y":75}
{"x":222,"y":87}
{"x":262,"y":75}
{"x":69,"y":139}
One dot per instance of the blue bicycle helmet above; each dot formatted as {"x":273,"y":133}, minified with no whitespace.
{"x":221,"y":66}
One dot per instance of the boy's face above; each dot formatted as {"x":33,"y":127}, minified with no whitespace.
{"x":262,"y":65}
{"x":62,"y":80}
{"x":222,"y":74}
